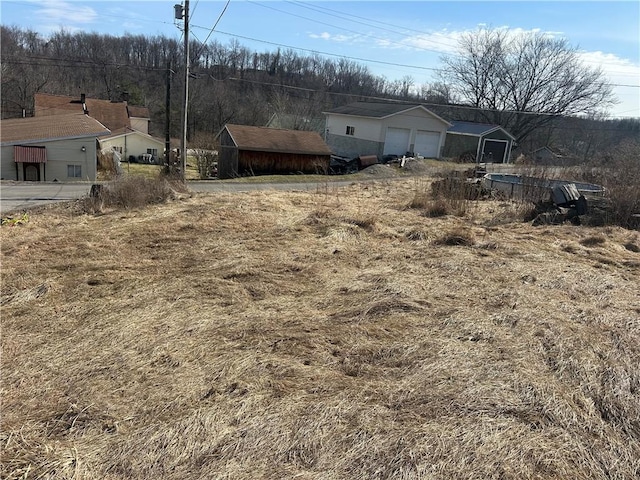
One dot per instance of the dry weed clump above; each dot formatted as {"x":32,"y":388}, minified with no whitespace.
{"x":619,"y":173}
{"x":326,"y":335}
{"x":448,"y":196}
{"x":133,"y":192}
{"x":457,"y":237}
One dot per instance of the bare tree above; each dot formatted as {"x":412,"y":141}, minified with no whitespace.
{"x":522,"y":81}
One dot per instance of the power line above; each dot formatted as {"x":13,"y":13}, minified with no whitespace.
{"x":359,"y":58}
{"x":88,"y":63}
{"x":386,"y":24}
{"x":213,"y":28}
{"x":349,"y":30}
{"x":388,"y":100}
{"x":383,"y":27}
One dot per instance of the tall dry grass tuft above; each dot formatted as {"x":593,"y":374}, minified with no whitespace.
{"x":451,"y":195}
{"x":457,"y":237}
{"x":622,"y":180}
{"x":133,"y":192}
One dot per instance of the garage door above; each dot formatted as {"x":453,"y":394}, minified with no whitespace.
{"x":493,"y":151}
{"x":397,"y":141}
{"x":427,"y":143}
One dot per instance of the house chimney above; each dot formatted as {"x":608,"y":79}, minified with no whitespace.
{"x":83,"y":99}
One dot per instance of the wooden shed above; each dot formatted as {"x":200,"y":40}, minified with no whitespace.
{"x":246,"y":150}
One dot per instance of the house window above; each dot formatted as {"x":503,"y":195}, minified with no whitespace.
{"x":350,"y":130}
{"x":117,"y":149}
{"x":74,"y":171}
{"x":152,"y":151}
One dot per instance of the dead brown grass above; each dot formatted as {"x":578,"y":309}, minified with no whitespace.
{"x":332,"y":335}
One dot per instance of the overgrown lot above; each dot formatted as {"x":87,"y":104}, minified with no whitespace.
{"x":337,"y":334}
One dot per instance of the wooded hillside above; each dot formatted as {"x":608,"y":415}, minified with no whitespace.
{"x":231,"y":83}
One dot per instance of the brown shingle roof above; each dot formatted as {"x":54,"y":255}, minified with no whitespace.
{"x":138,"y":112}
{"x":114,"y":115}
{"x":263,"y":139}
{"x":73,"y":125}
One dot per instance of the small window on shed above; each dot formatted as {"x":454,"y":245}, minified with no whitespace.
{"x":350,"y":130}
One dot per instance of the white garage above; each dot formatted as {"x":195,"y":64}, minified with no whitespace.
{"x":396,"y":141}
{"x":427,"y":144}
{"x":371,"y":128}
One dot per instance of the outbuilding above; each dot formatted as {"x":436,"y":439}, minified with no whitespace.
{"x":248,"y":150}
{"x":53,"y":148}
{"x":478,"y":142}
{"x":368,"y":128}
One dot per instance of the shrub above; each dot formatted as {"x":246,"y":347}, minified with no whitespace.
{"x":621,"y":177}
{"x":207,"y":163}
{"x":133,"y":192}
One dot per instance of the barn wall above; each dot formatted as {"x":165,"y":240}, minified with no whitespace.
{"x":264,"y":163}
{"x":227,"y":157}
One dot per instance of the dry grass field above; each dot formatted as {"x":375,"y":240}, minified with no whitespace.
{"x":335,"y":334}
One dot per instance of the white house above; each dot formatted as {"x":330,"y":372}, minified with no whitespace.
{"x":132,"y":144}
{"x":52,"y":148}
{"x":119,"y":117}
{"x":365,"y":128}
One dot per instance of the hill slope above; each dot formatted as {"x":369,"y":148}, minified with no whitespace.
{"x":336,"y":334}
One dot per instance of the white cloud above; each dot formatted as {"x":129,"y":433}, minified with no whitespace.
{"x":65,"y":13}
{"x":625,"y":77}
{"x":334,"y":38}
{"x":619,"y":71}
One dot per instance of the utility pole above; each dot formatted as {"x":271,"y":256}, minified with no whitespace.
{"x":184,"y":14}
{"x":167,"y":123}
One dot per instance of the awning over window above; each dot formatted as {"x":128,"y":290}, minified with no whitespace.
{"x":30,"y":154}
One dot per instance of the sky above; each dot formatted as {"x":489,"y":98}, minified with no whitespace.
{"x":393,"y":39}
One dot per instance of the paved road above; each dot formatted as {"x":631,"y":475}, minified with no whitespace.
{"x":18,"y":196}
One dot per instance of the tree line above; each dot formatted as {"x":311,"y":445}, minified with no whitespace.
{"x":493,"y":78}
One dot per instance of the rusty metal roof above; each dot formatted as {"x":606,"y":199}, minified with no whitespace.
{"x":263,"y":139}
{"x":38,"y":129}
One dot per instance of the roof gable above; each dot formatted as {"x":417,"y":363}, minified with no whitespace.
{"x":35,"y":129}
{"x":265,"y":139}
{"x":380,"y":110}
{"x":129,"y":133}
{"x":138,"y":112}
{"x":475,"y":129}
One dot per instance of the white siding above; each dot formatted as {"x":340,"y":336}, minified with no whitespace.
{"x":370,"y":129}
{"x":8,"y":166}
{"x":132,"y":144}
{"x":364,"y":128}
{"x":140,"y":124}
{"x":60,"y":155}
